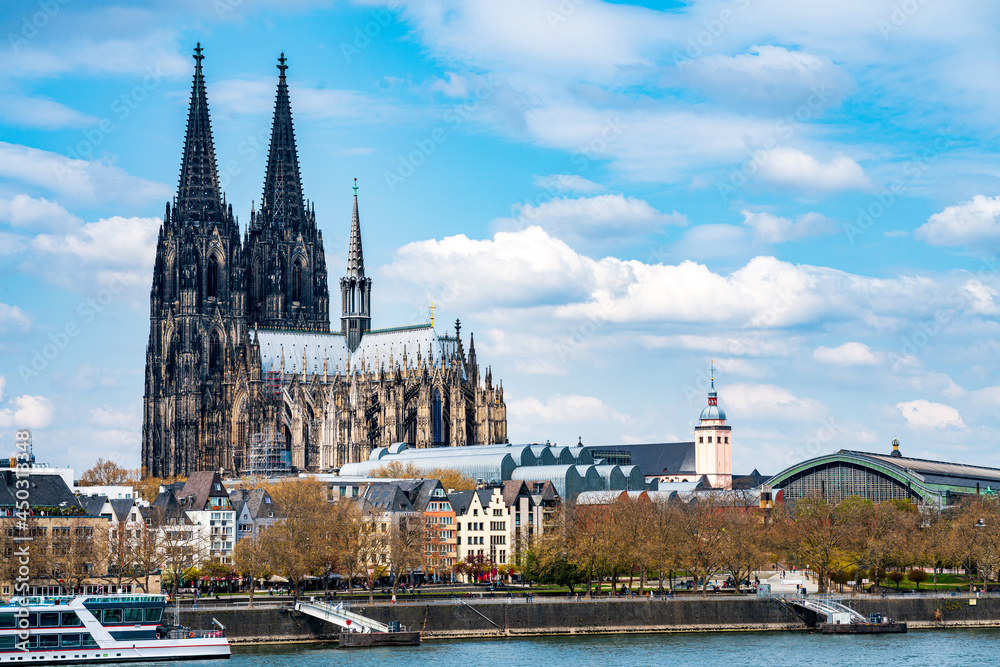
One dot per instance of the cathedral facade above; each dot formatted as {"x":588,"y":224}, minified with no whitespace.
{"x":240,"y":341}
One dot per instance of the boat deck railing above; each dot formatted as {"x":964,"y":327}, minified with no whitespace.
{"x":181,"y":633}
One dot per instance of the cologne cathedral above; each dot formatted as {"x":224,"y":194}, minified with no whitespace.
{"x":243,"y":372}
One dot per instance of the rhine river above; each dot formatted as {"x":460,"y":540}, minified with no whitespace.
{"x":920,"y":647}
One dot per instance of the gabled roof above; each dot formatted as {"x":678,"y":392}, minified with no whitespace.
{"x":548,"y":492}
{"x":387,"y":497}
{"x":460,"y":501}
{"x":258,"y":502}
{"x":121,"y":507}
{"x":93,"y":505}
{"x":485,"y":496}
{"x":420,"y":492}
{"x":201,"y":486}
{"x":513,"y":489}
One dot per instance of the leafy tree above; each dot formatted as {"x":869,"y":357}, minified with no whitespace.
{"x":250,"y":560}
{"x":918,"y":575}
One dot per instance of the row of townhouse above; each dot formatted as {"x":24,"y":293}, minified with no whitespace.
{"x":486,"y":528}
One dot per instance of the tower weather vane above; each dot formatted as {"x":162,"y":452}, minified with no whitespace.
{"x":431,"y":308}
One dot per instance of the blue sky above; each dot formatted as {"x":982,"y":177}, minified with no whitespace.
{"x":609,"y":195}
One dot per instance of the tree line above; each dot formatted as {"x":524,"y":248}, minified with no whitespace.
{"x":843,"y":543}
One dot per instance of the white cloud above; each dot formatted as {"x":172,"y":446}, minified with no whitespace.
{"x":924,"y":414}
{"x":973,"y":221}
{"x":600,"y":217}
{"x":594,"y":42}
{"x":77,"y":179}
{"x":12,"y":317}
{"x":531,"y":268}
{"x":111,"y":249}
{"x":750,"y":344}
{"x":455,"y":85}
{"x":564,"y":409}
{"x":794,"y":168}
{"x":27,"y":412}
{"x":109,"y":417}
{"x":769,"y":228}
{"x":567,"y":183}
{"x":768,"y":401}
{"x":768,"y":77}
{"x":154,"y":55}
{"x":705,"y":242}
{"x":848,"y":354}
{"x":256,"y":97}
{"x":34,"y":214}
{"x":41,"y":113}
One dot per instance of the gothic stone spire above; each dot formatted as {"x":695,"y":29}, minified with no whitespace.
{"x":355,"y":288}
{"x":355,"y":256}
{"x":283,"y":204}
{"x":198,"y":194}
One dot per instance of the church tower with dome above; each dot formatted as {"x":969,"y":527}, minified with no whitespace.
{"x":713,"y":443}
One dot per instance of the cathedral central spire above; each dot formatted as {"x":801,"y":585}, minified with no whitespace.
{"x":355,"y":288}
{"x":198,"y":194}
{"x":283,"y":202}
{"x":355,"y":256}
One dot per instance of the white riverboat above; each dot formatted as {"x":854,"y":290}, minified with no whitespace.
{"x":99,"y":629}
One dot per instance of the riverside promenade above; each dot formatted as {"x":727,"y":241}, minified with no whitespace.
{"x":505,"y":617}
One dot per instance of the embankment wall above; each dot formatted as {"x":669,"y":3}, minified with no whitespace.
{"x":587,"y":617}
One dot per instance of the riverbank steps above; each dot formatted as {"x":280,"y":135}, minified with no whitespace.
{"x":441,"y":620}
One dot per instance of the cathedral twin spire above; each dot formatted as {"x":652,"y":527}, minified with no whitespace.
{"x":283,"y":204}
{"x":199,"y":197}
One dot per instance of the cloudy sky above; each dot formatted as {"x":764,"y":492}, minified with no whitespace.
{"x":609,"y":195}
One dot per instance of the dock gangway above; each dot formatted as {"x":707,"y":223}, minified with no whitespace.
{"x":827,"y":607}
{"x":340,"y":616}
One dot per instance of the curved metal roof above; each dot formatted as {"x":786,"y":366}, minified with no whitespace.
{"x":566,"y":478}
{"x":581,"y":455}
{"x":591,"y":478}
{"x":612,"y":476}
{"x":521,"y":454}
{"x":487,"y":467}
{"x":544,"y":455}
{"x":888,"y":467}
{"x":634,"y":479}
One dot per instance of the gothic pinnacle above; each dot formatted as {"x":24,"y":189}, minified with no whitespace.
{"x":355,"y":255}
{"x":198,"y":194}
{"x":282,"y":200}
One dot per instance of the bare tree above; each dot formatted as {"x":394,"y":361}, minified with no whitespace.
{"x":251,"y":560}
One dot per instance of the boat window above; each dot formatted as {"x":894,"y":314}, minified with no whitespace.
{"x":70,"y":619}
{"x":48,"y":641}
{"x":33,"y":620}
{"x":88,"y":641}
{"x":154,"y":614}
{"x":133,"y":615}
{"x":71,"y":640}
{"x":49,"y":619}
{"x":8,"y":621}
{"x":33,"y":641}
{"x":7,"y":641}
{"x":112,"y":616}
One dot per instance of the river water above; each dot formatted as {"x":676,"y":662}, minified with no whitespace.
{"x":921,"y":647}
